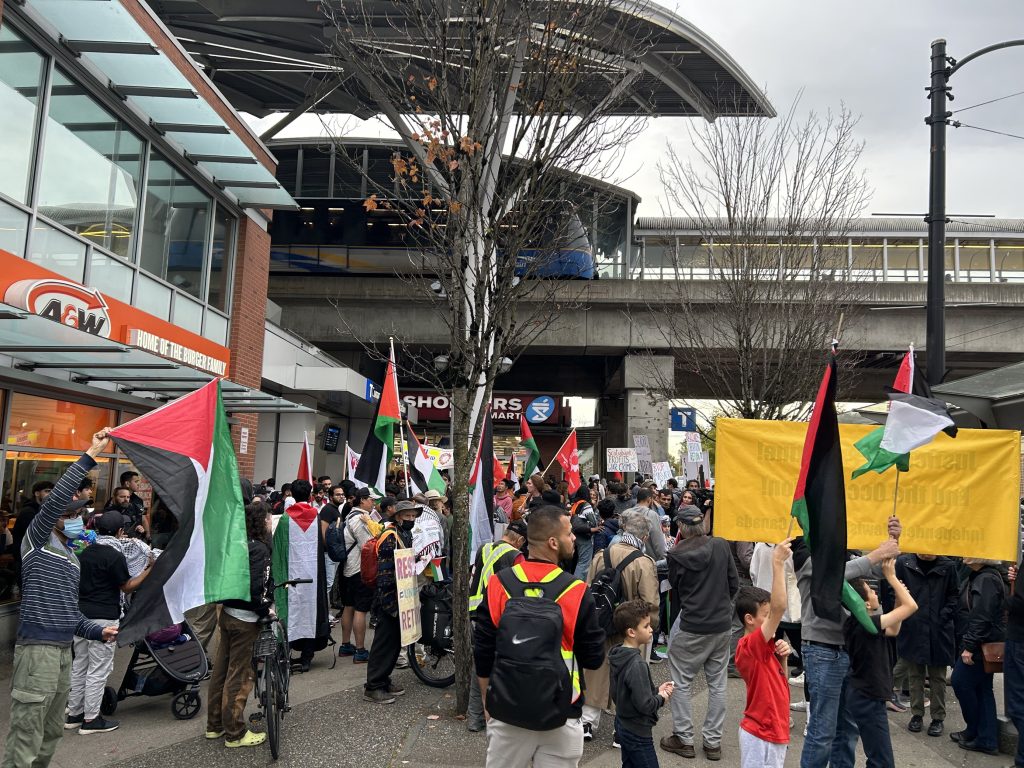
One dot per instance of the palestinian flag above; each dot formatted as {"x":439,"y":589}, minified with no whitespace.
{"x":530,"y":445}
{"x":184,"y":449}
{"x":913,"y":421}
{"x":298,"y":554}
{"x":423,"y":475}
{"x":379,"y":448}
{"x":819,"y":501}
{"x":481,"y":505}
{"x":510,"y":475}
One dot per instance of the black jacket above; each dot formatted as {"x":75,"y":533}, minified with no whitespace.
{"x":982,"y":609}
{"x":928,"y":637}
{"x":588,"y":644}
{"x":1015,"y":623}
{"x":259,"y":561}
{"x":702,"y":572}
{"x":636,"y":699}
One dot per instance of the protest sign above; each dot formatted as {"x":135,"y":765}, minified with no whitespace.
{"x":643,"y":454}
{"x":694,"y":450}
{"x":960,"y":497}
{"x":427,"y":539}
{"x":408,"y":596}
{"x":621,"y":459}
{"x":442,"y":457}
{"x":662,"y":473}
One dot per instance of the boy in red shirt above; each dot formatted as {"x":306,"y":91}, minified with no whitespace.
{"x":760,"y":660}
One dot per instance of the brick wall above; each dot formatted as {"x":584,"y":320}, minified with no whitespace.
{"x":248,"y":305}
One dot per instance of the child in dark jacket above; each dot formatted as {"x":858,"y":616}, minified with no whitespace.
{"x":637,"y":701}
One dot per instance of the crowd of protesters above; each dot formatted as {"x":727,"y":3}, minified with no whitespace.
{"x":589,"y":585}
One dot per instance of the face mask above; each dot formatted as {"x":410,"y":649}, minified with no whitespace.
{"x":73,"y":527}
{"x":408,"y":525}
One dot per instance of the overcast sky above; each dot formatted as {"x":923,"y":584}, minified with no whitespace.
{"x":872,"y":56}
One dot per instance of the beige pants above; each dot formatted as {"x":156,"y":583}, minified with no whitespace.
{"x":511,"y":747}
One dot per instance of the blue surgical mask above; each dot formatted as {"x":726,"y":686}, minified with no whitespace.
{"x":73,"y":528}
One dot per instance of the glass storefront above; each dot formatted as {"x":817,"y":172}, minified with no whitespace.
{"x":42,"y":437}
{"x":72,"y":197}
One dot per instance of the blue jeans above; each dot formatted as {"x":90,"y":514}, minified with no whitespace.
{"x":1013,"y":687}
{"x":584,"y":554}
{"x":973,"y":688}
{"x":825,"y":672}
{"x":637,"y":751}
{"x":867,"y":719}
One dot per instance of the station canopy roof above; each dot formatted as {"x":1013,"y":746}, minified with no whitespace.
{"x":105,"y":36}
{"x":271,"y":56}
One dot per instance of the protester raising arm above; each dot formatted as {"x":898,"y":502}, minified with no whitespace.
{"x":779,"y":601}
{"x":905,"y":607}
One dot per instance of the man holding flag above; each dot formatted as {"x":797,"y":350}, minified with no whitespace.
{"x":820,"y":559}
{"x":50,"y":619}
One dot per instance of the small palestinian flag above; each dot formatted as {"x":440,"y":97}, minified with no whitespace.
{"x":481,"y":505}
{"x":527,"y":442}
{"x":423,"y":475}
{"x":184,"y":449}
{"x":379,"y":448}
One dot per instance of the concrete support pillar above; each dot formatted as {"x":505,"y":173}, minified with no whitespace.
{"x":634,"y":405}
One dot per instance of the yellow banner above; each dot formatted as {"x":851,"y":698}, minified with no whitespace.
{"x":960,"y":497}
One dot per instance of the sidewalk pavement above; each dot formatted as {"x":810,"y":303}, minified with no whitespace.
{"x":331,"y":726}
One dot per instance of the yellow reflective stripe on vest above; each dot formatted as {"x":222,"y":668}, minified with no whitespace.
{"x":492,"y":554}
{"x":568,"y":657}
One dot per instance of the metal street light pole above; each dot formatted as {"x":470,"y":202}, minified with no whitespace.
{"x":936,"y":311}
{"x":943,"y":68}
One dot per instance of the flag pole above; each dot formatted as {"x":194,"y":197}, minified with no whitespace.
{"x":344,"y":464}
{"x":896,"y":491}
{"x":555,"y":460}
{"x":401,"y":428}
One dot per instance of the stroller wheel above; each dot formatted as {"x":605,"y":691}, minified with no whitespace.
{"x":186,"y":705}
{"x":109,"y":704}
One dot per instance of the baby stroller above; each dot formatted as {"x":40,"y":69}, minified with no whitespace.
{"x":169,"y":661}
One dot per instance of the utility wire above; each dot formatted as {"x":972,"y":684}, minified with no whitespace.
{"x":958,"y":124}
{"x":990,"y":101}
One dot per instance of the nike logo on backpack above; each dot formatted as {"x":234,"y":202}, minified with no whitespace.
{"x":517,"y":640}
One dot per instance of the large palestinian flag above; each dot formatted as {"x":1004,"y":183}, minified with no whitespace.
{"x":481,"y":505}
{"x":298,"y":554}
{"x":379,"y":448}
{"x":184,"y":449}
{"x":423,"y":475}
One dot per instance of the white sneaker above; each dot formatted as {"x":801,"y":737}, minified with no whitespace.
{"x":588,"y":732}
{"x":798,"y":680}
{"x":798,"y":706}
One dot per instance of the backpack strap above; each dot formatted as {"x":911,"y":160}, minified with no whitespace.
{"x":551,"y":589}
{"x":607,"y":557}
{"x":634,"y":555}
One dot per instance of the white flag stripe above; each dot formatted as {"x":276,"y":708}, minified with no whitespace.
{"x":185,"y":588}
{"x":908,"y":427}
{"x":479,"y":520}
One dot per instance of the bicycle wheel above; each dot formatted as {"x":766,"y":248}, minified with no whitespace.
{"x":435,"y":667}
{"x":271,"y":705}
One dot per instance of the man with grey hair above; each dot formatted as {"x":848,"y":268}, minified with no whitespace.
{"x":639,"y":581}
{"x":698,"y":566}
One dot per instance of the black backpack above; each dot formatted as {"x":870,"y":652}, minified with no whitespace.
{"x":606,"y":588}
{"x":334,"y":540}
{"x":530,"y":686}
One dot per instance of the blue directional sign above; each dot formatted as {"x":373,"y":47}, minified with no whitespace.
{"x":538,"y":411}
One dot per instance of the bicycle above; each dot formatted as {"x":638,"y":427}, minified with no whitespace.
{"x":272,"y":668}
{"x":432,"y":657}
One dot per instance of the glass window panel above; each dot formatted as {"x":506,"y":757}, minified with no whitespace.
{"x":222,"y":259}
{"x":316,"y":171}
{"x":216,"y":328}
{"x":21,"y":73}
{"x":175,"y":227}
{"x":40,"y":422}
{"x":57,"y":251}
{"x":249,"y":197}
{"x":91,"y":169}
{"x":92,"y":21}
{"x":1009,"y":261}
{"x":111,"y":276}
{"x":13,"y":228}
{"x":287,"y":166}
{"x":187,"y":314}
{"x":975,"y":264}
{"x":348,"y":173}
{"x":903,"y":260}
{"x":156,"y":298}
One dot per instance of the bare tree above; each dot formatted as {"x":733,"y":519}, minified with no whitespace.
{"x":763,"y":284}
{"x":499,"y":104}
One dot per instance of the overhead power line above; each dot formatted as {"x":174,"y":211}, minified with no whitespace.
{"x":958,"y":124}
{"x":990,"y":101}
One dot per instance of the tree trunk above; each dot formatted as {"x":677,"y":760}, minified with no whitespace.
{"x":459,"y":483}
